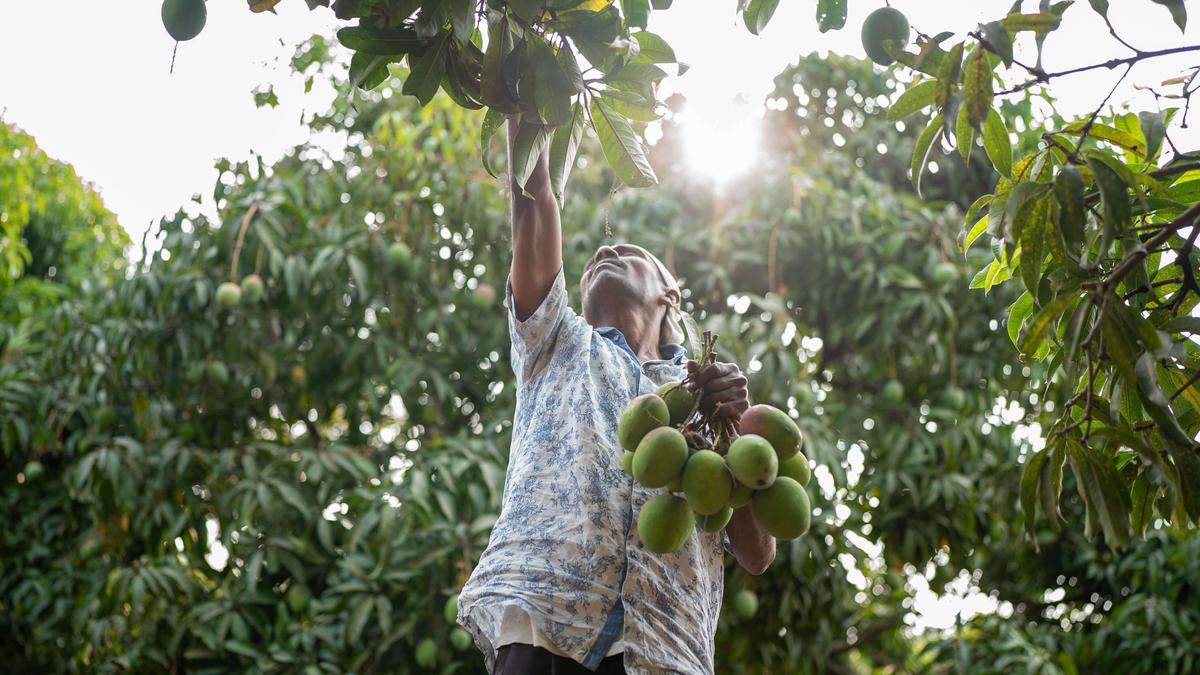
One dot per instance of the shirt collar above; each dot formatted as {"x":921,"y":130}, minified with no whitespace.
{"x":671,"y":353}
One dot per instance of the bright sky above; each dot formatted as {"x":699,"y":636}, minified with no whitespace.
{"x":100,"y":96}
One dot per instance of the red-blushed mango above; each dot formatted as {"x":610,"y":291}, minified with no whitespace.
{"x":783,"y":509}
{"x":660,"y":457}
{"x":706,"y":482}
{"x":665,"y":523}
{"x":753,"y":461}
{"x":715,"y":522}
{"x":776,"y":426}
{"x":796,"y":468}
{"x":229,"y":294}
{"x":643,"y":414}
{"x":679,"y":401}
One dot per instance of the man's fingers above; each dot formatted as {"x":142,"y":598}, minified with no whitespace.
{"x":713,"y":371}
{"x":734,"y":381}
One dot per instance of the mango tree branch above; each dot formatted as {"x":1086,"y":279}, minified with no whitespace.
{"x":1041,"y":77}
{"x":1187,"y":218}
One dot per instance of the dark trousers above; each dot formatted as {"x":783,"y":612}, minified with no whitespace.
{"x":518,"y":659}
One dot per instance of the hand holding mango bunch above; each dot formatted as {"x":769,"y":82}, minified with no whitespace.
{"x":710,"y":460}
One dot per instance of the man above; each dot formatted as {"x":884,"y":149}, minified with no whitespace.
{"x":565,"y":585}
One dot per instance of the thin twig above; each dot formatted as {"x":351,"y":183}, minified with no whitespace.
{"x":1043,"y":77}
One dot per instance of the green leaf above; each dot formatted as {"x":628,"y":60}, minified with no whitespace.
{"x":532,"y":139}
{"x":1031,"y":341}
{"x":997,"y":144}
{"x":621,"y":146}
{"x":1032,"y":237}
{"x":631,"y":105}
{"x":1119,"y":345}
{"x":977,"y":87}
{"x":1050,"y":486}
{"x":1142,"y":502}
{"x":527,"y":9}
{"x":637,"y":12}
{"x":1016,"y":209}
{"x":652,"y":48}
{"x":491,"y":122}
{"x":831,"y":15}
{"x":563,"y":148}
{"x":426,"y":75}
{"x":947,"y":76}
{"x":1072,"y":211}
{"x":381,"y":41}
{"x":1000,"y":40}
{"x":977,"y":230}
{"x":494,"y":87}
{"x":1105,"y":494}
{"x":1178,"y":12}
{"x":758,"y":14}
{"x":553,"y":87}
{"x":1018,"y":312}
{"x":1104,"y":132}
{"x":964,"y":135}
{"x":914,"y":98}
{"x":1030,"y":479}
{"x":1100,"y":6}
{"x":462,"y":18}
{"x":368,"y":71}
{"x":1042,"y":22}
{"x":1114,"y":202}
{"x":1154,"y":128}
{"x":922,"y":151}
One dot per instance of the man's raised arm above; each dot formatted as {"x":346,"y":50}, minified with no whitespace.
{"x":536,"y":234}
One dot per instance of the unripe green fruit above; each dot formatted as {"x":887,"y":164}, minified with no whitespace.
{"x":660,"y":457}
{"x":33,"y":470}
{"x":106,"y":419}
{"x":450,"y":610}
{"x":885,"y":23}
{"x":774,"y":425}
{"x":643,"y":414}
{"x":783,"y":509}
{"x":229,"y":294}
{"x":745,"y":604}
{"x":297,"y":597}
{"x":706,"y":482}
{"x":893,"y":391}
{"x":753,"y":461}
{"x":796,"y":468}
{"x":461,"y":639}
{"x":944,"y":273}
{"x":426,"y":653}
{"x":715,"y":522}
{"x":627,"y":462}
{"x":665,"y":523}
{"x":184,"y":19}
{"x":401,"y":257}
{"x":954,"y":398}
{"x":217,"y":372}
{"x":679,"y":401}
{"x":252,"y":288}
{"x":740,"y":495}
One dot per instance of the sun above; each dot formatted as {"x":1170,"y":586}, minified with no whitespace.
{"x":721,"y":143}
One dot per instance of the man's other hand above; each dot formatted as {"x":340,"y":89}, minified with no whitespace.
{"x":722,"y":387}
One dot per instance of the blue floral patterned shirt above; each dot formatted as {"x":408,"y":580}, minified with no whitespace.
{"x":565,"y":548}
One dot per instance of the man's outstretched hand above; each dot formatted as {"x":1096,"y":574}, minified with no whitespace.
{"x":722,"y":388}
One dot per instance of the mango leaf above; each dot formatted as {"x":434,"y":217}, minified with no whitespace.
{"x":757,"y":14}
{"x":997,"y":144}
{"x":527,"y":9}
{"x":621,"y":146}
{"x":494,"y":88}
{"x":964,"y":135}
{"x":1032,"y":237}
{"x":1016,"y":207}
{"x":1072,"y":213}
{"x":1000,"y":40}
{"x":1030,"y":479}
{"x":1100,"y":6}
{"x":947,"y":75}
{"x":652,"y":48}
{"x":1154,"y":128}
{"x":1110,"y":501}
{"x":381,"y":41}
{"x":1142,"y":499}
{"x":491,"y":122}
{"x":368,"y":71}
{"x":1079,"y":467}
{"x":914,"y":98}
{"x":1042,"y":22}
{"x":1104,"y":132}
{"x":977,"y":87}
{"x":563,"y":147}
{"x":1178,"y":12}
{"x":831,"y":15}
{"x":258,"y":6}
{"x":1114,"y":202}
{"x":552,"y":87}
{"x":1040,"y":325}
{"x":637,"y":12}
{"x":462,"y":18}
{"x":427,"y":73}
{"x":922,"y":151}
{"x":1018,"y":311}
{"x":532,"y":138}
{"x":631,"y":105}
{"x":1050,"y":486}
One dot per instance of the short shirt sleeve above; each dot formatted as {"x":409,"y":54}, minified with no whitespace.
{"x":534,"y":339}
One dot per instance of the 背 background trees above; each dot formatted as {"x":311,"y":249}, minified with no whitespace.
{"x":299,"y":482}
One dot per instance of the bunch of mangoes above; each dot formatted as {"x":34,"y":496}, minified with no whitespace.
{"x":761,"y":464}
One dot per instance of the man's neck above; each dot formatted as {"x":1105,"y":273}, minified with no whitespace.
{"x":641,"y":334}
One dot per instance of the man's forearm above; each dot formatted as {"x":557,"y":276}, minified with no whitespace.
{"x":536,"y":233}
{"x":753,"y":546}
